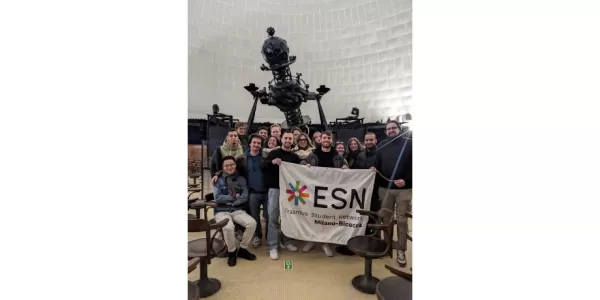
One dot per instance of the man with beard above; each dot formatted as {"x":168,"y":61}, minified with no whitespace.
{"x":393,"y":162}
{"x":231,"y":147}
{"x":264,"y":134}
{"x":270,"y":169}
{"x":249,"y":166}
{"x":325,"y":156}
{"x":366,"y":160}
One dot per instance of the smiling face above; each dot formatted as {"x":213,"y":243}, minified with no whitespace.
{"x":302,"y":142}
{"x":370,"y":141}
{"x":326,"y":141}
{"x":256,"y":143}
{"x":317,"y":137}
{"x":272,"y":143}
{"x":339,"y":148}
{"x":353,"y":145}
{"x":229,"y":166}
{"x":287,"y":140}
{"x":392,"y":129}
{"x":263,"y":133}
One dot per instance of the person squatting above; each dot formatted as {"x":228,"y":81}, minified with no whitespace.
{"x":245,"y":178}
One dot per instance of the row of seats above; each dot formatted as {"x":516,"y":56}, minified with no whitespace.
{"x":371,"y":246}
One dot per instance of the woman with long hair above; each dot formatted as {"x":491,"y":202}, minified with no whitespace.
{"x":354,"y":149}
{"x":304,"y":148}
{"x":272,"y":143}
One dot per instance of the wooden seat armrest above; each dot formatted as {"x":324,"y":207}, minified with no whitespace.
{"x":193,"y":263}
{"x":220,"y":224}
{"x":396,"y":271}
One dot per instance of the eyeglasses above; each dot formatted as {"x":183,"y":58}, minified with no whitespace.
{"x":228,"y":165}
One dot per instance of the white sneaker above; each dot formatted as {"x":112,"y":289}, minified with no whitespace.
{"x":274,"y":254}
{"x":401,"y":258}
{"x":327,"y":249}
{"x":256,"y":242}
{"x":290,"y":247}
{"x":308,"y":247}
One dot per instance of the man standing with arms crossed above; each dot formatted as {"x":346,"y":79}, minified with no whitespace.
{"x":393,"y":162}
{"x":270,"y":168}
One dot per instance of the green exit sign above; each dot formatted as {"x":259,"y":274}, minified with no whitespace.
{"x":288,"y":265}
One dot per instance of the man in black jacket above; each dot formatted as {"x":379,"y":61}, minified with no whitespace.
{"x":366,"y":160}
{"x":270,"y":170}
{"x":325,"y":156}
{"x":393,"y":162}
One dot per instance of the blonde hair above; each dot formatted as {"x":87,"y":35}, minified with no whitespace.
{"x":309,"y":143}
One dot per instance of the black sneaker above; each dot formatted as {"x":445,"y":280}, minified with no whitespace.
{"x":232,"y":260}
{"x":245,"y":254}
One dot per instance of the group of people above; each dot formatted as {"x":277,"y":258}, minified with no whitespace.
{"x":245,"y":176}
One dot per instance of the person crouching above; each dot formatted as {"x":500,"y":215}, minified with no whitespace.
{"x":231,"y":196}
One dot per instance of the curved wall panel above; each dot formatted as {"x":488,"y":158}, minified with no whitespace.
{"x":361,"y":49}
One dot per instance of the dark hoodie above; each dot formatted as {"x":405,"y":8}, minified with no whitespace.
{"x":329,"y":159}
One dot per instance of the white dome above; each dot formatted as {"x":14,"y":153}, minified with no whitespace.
{"x":361,"y":49}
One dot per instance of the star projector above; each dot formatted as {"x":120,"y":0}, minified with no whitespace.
{"x":285,"y":92}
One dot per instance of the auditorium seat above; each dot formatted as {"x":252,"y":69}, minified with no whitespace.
{"x":372,"y":247}
{"x":239,"y":229}
{"x":193,"y":290}
{"x":205,"y":249}
{"x":397,"y":287}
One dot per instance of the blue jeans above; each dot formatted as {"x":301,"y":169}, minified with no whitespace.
{"x":256,"y":199}
{"x":273,"y":209}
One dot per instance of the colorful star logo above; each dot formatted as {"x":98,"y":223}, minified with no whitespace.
{"x":297,"y":193}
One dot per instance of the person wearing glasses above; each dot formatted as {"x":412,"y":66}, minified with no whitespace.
{"x":240,"y":128}
{"x":395,"y":188}
{"x":304,"y":149}
{"x":231,"y":196}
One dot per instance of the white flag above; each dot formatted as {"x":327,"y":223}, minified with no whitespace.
{"x":319,"y":204}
